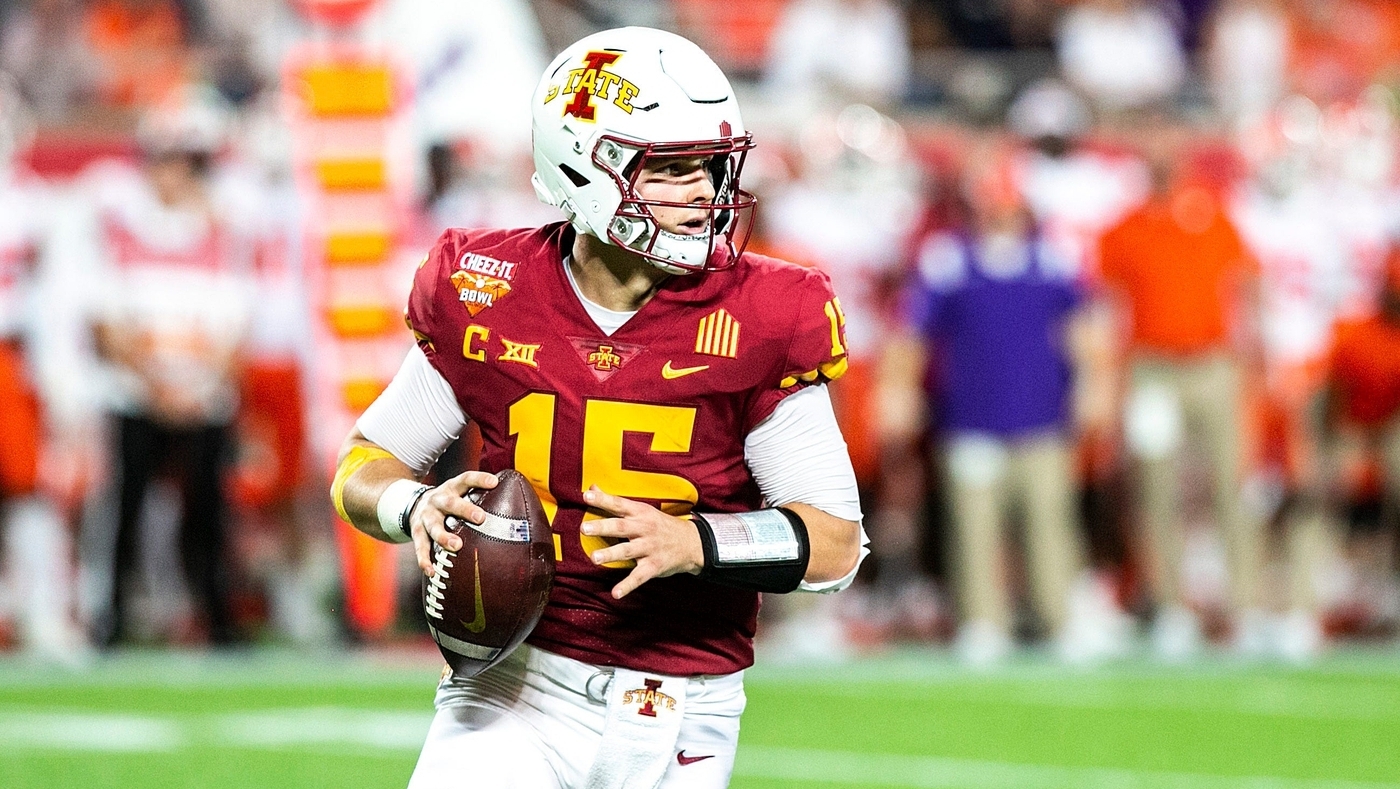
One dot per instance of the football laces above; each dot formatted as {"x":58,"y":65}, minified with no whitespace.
{"x":437,"y":585}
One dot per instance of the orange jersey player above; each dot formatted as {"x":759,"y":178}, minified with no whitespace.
{"x":639,"y":369}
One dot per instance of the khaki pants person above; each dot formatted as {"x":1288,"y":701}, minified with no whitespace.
{"x":1310,"y":518}
{"x":987,"y":478}
{"x":1170,"y":402}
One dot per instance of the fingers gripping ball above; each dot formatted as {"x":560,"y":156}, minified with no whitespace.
{"x":486,"y":597}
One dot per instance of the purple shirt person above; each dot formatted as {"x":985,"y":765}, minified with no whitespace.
{"x":994,"y":308}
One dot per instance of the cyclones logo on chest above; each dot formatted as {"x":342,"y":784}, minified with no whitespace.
{"x":480,"y":281}
{"x":604,"y":357}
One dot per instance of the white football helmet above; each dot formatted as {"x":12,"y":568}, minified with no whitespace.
{"x":615,"y":100}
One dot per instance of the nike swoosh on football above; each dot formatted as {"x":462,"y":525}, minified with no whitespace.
{"x":684,"y":760}
{"x":478,"y":623}
{"x":668,"y":372}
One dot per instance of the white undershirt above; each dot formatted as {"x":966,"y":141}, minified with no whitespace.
{"x":608,"y":320}
{"x":797,"y":454}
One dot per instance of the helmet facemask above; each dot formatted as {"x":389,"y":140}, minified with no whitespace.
{"x":634,"y":227}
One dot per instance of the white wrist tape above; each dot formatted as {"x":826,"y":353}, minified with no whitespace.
{"x":395,"y":505}
{"x":764,"y":550}
{"x":753,"y":537}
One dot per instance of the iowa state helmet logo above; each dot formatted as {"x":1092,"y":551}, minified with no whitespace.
{"x":592,"y":81}
{"x":480,"y":281}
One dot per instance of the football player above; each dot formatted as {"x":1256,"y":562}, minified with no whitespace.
{"x":1286,"y":219}
{"x":41,"y":408}
{"x":1004,"y":410}
{"x":166,"y":271}
{"x":665,"y":395}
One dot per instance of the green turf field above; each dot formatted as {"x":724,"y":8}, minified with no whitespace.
{"x":907,"y":720}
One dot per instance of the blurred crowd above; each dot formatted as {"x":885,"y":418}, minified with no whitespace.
{"x":1120,"y":281}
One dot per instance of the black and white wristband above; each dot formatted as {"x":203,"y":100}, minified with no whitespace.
{"x":395,"y":505}
{"x":764,"y":550}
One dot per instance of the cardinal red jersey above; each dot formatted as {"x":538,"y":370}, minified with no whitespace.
{"x":656,"y":412}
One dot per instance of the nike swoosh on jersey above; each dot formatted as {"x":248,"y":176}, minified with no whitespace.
{"x":668,"y":372}
{"x":478,"y":622}
{"x":684,"y":760}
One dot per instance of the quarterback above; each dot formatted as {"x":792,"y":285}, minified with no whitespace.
{"x":663,"y":392}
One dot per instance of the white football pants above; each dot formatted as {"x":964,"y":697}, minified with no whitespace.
{"x":536,"y":721}
{"x":40,"y":574}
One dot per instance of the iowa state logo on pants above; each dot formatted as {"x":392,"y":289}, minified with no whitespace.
{"x":648,"y":698}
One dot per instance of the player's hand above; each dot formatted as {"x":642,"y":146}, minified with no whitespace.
{"x":428,"y":521}
{"x":660,"y":544}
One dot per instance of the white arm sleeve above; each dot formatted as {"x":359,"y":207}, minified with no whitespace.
{"x":798,"y":455}
{"x":417,"y":416}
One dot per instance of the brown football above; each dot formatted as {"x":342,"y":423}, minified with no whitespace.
{"x":486,"y":597}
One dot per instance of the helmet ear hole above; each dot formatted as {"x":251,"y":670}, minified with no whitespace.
{"x":718,"y":169}
{"x":573,"y":175}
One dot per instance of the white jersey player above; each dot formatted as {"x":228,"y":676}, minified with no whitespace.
{"x":37,"y":406}
{"x":1074,"y":193}
{"x":166,"y":273}
{"x":1303,"y":273}
{"x":1311,"y":257}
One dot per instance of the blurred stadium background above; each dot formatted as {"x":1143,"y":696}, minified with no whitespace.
{"x":1121,"y":282}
